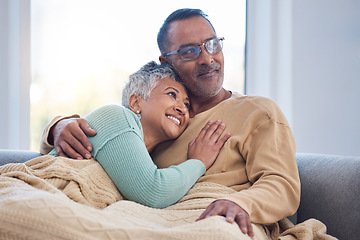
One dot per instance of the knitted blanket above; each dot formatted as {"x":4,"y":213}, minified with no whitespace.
{"x":60,"y":198}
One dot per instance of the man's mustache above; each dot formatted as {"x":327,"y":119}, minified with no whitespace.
{"x":201,"y":70}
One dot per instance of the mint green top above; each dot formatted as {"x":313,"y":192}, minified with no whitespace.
{"x":120,"y":149}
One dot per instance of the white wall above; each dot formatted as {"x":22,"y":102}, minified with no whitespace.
{"x":14,"y":74}
{"x":317,"y":80}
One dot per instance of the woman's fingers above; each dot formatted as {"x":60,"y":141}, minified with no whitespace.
{"x":206,"y":146}
{"x":212,"y":131}
{"x":205,"y":129}
{"x":222,"y":141}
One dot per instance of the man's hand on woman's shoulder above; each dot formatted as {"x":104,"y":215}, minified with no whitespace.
{"x":69,"y":137}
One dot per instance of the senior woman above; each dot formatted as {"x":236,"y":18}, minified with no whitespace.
{"x":155,"y":109}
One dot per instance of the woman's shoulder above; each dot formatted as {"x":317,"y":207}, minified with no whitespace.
{"x":111,"y":110}
{"x":113,"y":116}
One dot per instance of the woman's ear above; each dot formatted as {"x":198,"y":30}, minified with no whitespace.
{"x":134,"y":103}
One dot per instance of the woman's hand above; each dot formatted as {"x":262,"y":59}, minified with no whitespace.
{"x":206,"y":146}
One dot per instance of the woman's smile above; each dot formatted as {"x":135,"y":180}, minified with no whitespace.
{"x":176,"y":120}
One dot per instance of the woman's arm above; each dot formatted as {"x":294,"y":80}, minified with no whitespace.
{"x":119,"y":147}
{"x":127,"y":162}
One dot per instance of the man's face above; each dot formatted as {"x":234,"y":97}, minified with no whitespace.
{"x":203,"y":77}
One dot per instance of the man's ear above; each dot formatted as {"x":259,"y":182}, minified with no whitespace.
{"x":163,"y":59}
{"x":134,"y":103}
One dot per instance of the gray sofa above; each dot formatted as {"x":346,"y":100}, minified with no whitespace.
{"x":330,"y":190}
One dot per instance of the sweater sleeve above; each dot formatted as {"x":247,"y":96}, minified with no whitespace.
{"x":271,"y":168}
{"x":127,"y":162}
{"x":123,"y":155}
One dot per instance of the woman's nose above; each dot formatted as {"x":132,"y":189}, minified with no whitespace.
{"x":181,"y":108}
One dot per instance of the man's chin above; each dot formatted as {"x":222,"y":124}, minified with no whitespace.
{"x":207,"y":91}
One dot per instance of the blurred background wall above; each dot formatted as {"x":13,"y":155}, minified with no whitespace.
{"x":306,"y":56}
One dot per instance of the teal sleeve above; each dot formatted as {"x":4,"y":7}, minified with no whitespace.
{"x":122,"y":153}
{"x":138,"y":178}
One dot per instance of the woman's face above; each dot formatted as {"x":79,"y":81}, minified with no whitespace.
{"x":165,"y":114}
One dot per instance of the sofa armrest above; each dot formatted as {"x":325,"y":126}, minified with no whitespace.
{"x":330,"y":191}
{"x":16,"y":156}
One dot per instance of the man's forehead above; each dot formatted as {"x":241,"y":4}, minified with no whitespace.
{"x":190,"y":30}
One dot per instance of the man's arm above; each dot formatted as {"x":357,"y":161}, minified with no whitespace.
{"x":69,"y":137}
{"x":269,"y":152}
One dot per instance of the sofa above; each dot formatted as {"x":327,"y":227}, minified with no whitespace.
{"x":330,"y":190}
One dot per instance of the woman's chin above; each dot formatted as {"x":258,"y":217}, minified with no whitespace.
{"x":173,"y":134}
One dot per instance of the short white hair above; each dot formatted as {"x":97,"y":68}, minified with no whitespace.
{"x":142,"y":82}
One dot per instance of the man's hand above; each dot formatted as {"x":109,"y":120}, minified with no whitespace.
{"x":232,"y":212}
{"x":70,"y":138}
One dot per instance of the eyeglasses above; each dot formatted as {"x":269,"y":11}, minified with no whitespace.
{"x":192,"y":52}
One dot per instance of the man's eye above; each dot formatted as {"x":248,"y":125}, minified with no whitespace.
{"x":188,"y":50}
{"x":191,"y":50}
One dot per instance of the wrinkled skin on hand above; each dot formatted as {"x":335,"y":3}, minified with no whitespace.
{"x":69,"y":137}
{"x":232,"y":212}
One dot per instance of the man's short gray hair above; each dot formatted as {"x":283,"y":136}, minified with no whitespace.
{"x":142,"y":82}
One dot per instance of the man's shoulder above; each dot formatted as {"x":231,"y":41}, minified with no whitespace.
{"x":258,"y":102}
{"x":253,"y":105}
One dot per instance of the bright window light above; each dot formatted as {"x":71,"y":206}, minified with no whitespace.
{"x":84,"y":50}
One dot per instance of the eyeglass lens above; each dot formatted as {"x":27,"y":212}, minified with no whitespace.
{"x":191,"y":52}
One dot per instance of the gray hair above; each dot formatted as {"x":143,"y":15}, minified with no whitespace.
{"x":180,"y":14}
{"x":142,"y":82}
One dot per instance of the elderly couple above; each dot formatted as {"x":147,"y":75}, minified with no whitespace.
{"x":170,"y":133}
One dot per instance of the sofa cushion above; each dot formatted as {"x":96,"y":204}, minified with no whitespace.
{"x":16,"y":156}
{"x":330,"y":190}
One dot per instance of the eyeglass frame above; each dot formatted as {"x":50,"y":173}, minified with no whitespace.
{"x":198,"y":46}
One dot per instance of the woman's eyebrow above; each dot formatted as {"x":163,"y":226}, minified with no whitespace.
{"x":188,"y":99}
{"x":172,"y":88}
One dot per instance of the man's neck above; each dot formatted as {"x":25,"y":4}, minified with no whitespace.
{"x":199,"y":105}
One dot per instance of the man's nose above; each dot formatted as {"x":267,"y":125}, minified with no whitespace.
{"x":205,"y":57}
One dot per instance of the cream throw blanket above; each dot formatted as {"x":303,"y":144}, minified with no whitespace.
{"x":59,"y":198}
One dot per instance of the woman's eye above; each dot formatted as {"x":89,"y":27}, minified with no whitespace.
{"x":173,"y":94}
{"x":187,"y":105}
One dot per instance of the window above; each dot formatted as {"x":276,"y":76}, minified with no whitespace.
{"x":84,"y":50}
